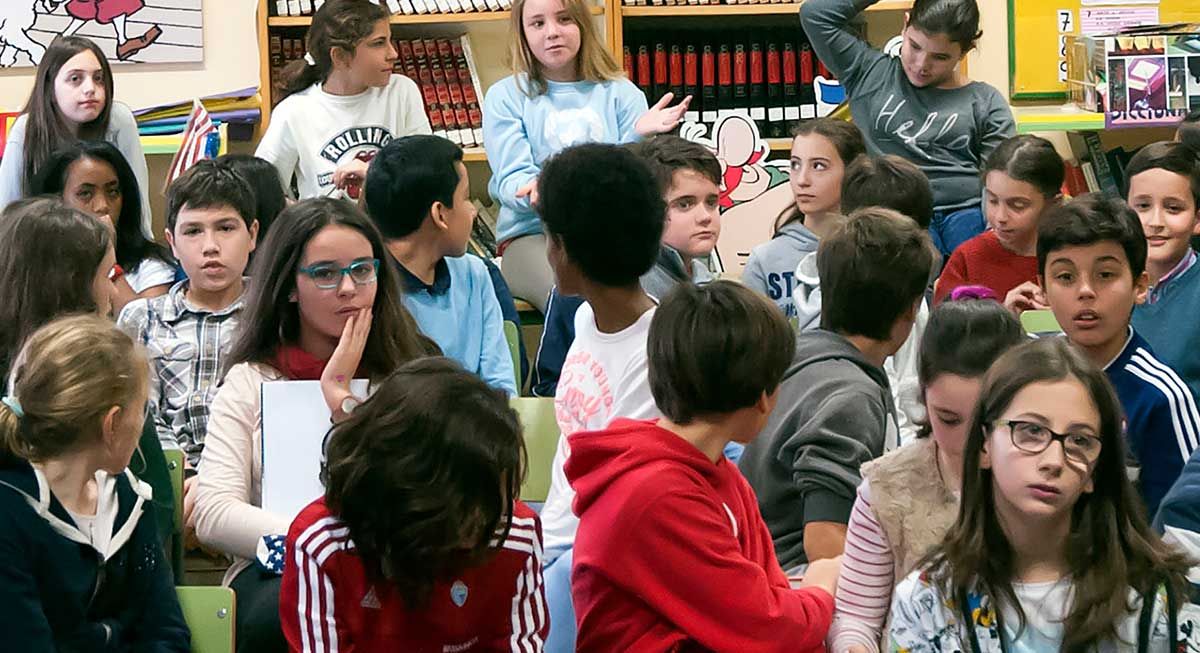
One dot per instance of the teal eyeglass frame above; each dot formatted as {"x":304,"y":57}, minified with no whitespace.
{"x":311,"y":270}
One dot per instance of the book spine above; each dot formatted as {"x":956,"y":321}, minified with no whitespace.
{"x":675,"y":63}
{"x":691,"y":82}
{"x":643,"y":72}
{"x":807,"y":90}
{"x":775,"y":123}
{"x":758,"y":90}
{"x":791,"y":98}
{"x":708,"y":84}
{"x":724,"y":80}
{"x":661,"y":72}
{"x":293,"y":7}
{"x":741,"y":80}
{"x":281,"y":7}
{"x":627,"y":62}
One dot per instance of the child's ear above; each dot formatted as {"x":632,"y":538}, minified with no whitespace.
{"x":171,"y":242}
{"x":437,"y":213}
{"x":108,"y":425}
{"x":1041,"y":279}
{"x":253,"y":235}
{"x":985,"y":457}
{"x":1141,"y":287}
{"x":1196,"y":227}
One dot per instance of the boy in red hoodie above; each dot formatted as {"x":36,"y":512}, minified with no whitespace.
{"x":671,"y":552}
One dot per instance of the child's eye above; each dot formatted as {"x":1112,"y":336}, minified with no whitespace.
{"x":1064,"y":277}
{"x":563,"y":20}
{"x":820,"y":165}
{"x":191,"y":232}
{"x":227,"y":227}
{"x":685,"y":204}
{"x":537,"y":24}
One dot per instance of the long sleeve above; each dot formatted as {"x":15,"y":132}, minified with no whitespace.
{"x":308,"y":594}
{"x":528,"y":621}
{"x":123,"y":132}
{"x":133,"y":320}
{"x":508,"y":148}
{"x":997,"y":125}
{"x":734,"y":602}
{"x":631,"y":106}
{"x":227,"y":515}
{"x":866,"y":581}
{"x":22,"y":620}
{"x":278,"y":148}
{"x":953,"y":276}
{"x":901,"y":369}
{"x":754,"y":277}
{"x":846,"y":430}
{"x":160,"y":627}
{"x":12,"y":164}
{"x":1170,"y":439}
{"x":495,"y":359}
{"x":826,"y":23}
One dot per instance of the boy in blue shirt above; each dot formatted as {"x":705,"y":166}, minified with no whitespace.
{"x":1164,"y":190}
{"x":1092,"y":268}
{"x":417,"y":192}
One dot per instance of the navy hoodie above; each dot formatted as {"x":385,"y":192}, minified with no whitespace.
{"x":57,"y":593}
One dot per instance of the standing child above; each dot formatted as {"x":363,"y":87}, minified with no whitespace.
{"x":672,"y":553}
{"x":604,"y":219}
{"x":918,"y":105}
{"x":908,"y":498}
{"x":93,"y":176}
{"x":1050,"y":551}
{"x":835,"y":409}
{"x":72,"y":99}
{"x":341,"y":102}
{"x":419,"y":195}
{"x":83,"y":568}
{"x":1092,"y":269}
{"x":822,"y":150}
{"x":463,"y":577}
{"x":323,"y":266}
{"x":1022,"y":180}
{"x":1164,"y":190}
{"x":565,"y":89}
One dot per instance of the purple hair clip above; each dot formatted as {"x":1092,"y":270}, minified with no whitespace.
{"x":972,"y":292}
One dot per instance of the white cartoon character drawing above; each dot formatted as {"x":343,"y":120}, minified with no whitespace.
{"x":16,"y":19}
{"x":754,"y":191}
{"x":115,"y":13}
{"x":573,"y":126}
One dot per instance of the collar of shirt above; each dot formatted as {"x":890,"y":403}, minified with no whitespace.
{"x":1184,"y":265}
{"x":177,"y":305}
{"x":441,"y":279}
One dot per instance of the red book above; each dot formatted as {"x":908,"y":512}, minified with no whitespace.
{"x":675,"y":64}
{"x":808,"y":92}
{"x":791,"y":97}
{"x":691,"y":82}
{"x":464,"y":125}
{"x":708,"y":84}
{"x":824,"y":71}
{"x":724,"y":79}
{"x":643,"y":71}
{"x":777,"y":128}
{"x":451,"y":121}
{"x":630,"y":71}
{"x":741,"y":79}
{"x":758,"y":90}
{"x":661,"y":72}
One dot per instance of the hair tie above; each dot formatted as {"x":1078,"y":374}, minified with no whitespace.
{"x":972,"y":292}
{"x":308,"y":59}
{"x":14,"y":405}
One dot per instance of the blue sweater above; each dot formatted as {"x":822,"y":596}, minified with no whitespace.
{"x":521,"y":132}
{"x":1162,"y":425}
{"x":1172,"y":325}
{"x":460,"y":312}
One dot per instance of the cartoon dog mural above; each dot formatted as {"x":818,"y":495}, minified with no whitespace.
{"x":16,"y":19}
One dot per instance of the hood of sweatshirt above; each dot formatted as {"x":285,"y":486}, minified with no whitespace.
{"x":807,"y":293}
{"x":799,"y":235}
{"x":600,"y":458}
{"x":820,"y":345}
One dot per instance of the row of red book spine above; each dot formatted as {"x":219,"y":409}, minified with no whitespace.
{"x":767,"y":75}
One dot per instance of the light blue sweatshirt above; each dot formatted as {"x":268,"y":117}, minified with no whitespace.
{"x":460,"y":312}
{"x":521,"y":132}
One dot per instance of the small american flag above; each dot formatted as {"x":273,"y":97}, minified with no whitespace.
{"x":195,"y":141}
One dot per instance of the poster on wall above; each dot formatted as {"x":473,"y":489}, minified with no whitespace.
{"x":128,"y":31}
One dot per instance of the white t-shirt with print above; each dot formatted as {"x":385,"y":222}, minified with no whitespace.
{"x":605,"y":376}
{"x":149,"y":273}
{"x":312,"y":133}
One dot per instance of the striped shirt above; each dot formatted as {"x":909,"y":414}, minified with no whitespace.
{"x":328,"y":604}
{"x":1162,"y":423}
{"x":187,"y":348}
{"x":864,"y":591}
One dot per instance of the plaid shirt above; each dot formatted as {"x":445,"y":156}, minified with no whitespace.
{"x":186,"y":346}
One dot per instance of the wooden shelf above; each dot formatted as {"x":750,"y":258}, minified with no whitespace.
{"x":474,"y":155}
{"x":742,"y":10}
{"x":417,"y":19}
{"x":1056,"y":118}
{"x":779,"y":144}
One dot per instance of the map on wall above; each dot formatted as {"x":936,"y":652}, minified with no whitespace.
{"x":128,"y":31}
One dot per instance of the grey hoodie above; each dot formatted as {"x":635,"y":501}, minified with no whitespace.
{"x":772,"y":265}
{"x":834,"y":413}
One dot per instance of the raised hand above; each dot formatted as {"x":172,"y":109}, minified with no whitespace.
{"x":1025,"y":297}
{"x":660,"y":119}
{"x":340,"y":370}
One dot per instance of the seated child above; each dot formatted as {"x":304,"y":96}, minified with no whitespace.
{"x":1164,"y":190}
{"x":1022,"y":180}
{"x":83,"y":568}
{"x":672,"y":553}
{"x":269,"y":197}
{"x":603,"y":215}
{"x":835,"y":409}
{"x":418,"y":194}
{"x":1050,"y":550}
{"x":822,"y":152}
{"x":689,"y":178}
{"x":1092,"y":269}
{"x":188,"y":331}
{"x":419,"y":530}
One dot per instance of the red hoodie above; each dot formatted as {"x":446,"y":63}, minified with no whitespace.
{"x":673,"y":555}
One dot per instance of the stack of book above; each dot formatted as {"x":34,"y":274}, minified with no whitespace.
{"x":1092,"y":169}
{"x":483,"y":233}
{"x":308,"y":7}
{"x":768,"y":75}
{"x":445,"y":70}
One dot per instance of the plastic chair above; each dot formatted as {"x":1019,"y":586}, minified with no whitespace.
{"x":175,"y":470}
{"x":209,"y":613}
{"x":541,"y":441}
{"x":512,"y":333}
{"x":1040,"y":322}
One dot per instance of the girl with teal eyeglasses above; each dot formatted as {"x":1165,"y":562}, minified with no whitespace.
{"x":325,"y":297}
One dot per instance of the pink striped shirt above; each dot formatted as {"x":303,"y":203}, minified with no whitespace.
{"x":864,"y":592}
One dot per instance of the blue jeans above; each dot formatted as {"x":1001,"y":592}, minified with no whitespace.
{"x":949,"y":229}
{"x":556,"y":574}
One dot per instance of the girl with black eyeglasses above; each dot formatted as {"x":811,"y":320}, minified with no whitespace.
{"x":1051,"y":550}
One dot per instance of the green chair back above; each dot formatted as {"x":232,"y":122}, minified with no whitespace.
{"x":175,"y":471}
{"x":512,"y":333}
{"x":209,"y":613}
{"x":1040,"y":322}
{"x":541,"y":440}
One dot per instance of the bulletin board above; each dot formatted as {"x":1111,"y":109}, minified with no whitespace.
{"x":1036,"y":31}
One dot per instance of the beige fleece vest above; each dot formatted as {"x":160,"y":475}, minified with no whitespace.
{"x":912,"y":504}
